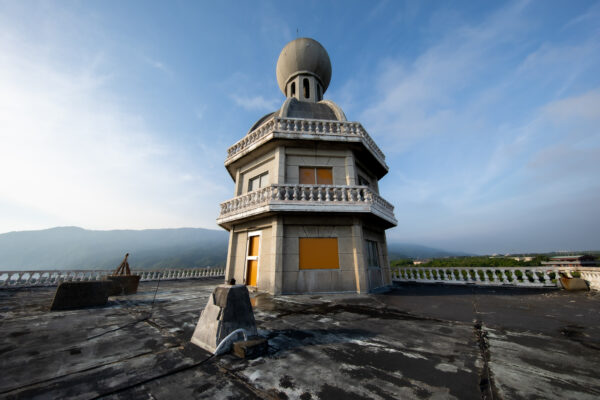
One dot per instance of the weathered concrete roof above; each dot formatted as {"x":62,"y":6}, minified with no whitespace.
{"x":413,"y":342}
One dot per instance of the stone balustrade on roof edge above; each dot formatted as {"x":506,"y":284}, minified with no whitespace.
{"x":304,"y":129}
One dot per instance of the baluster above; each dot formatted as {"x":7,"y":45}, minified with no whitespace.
{"x":334,"y":192}
{"x":327,"y":196}
{"x":302,"y":193}
{"x":311,"y":193}
{"x":319,"y":194}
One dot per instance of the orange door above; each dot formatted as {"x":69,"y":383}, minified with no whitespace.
{"x":252,"y":270}
{"x":252,"y":260}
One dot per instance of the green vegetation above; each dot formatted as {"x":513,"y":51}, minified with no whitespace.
{"x":402,"y":262}
{"x":471,"y":262}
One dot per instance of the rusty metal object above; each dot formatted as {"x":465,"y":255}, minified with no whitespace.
{"x":123,"y":281}
{"x":255,"y":346}
{"x":573,"y":283}
{"x":123,"y":269}
{"x":70,"y":295}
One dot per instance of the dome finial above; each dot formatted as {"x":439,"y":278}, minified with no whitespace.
{"x":304,"y":63}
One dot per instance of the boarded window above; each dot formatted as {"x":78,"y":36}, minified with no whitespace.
{"x":372,"y":254}
{"x":319,"y":253}
{"x":313,"y":175}
{"x":252,"y":260}
{"x":258,"y":181}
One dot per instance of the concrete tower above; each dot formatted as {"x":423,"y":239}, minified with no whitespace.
{"x":307,"y":216}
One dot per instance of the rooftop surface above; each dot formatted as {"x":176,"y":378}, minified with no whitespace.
{"x":412,"y":342}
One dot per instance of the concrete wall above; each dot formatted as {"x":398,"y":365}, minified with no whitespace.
{"x":325,"y":280}
{"x":236,"y":260}
{"x":265,"y":163}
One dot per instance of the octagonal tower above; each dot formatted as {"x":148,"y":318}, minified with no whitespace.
{"x":306,"y":216}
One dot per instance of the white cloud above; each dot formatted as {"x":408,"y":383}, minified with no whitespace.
{"x":158,"y":65}
{"x":256,"y":103}
{"x":489,"y":135}
{"x":72,"y":154}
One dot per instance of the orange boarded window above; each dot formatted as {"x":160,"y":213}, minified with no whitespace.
{"x":319,"y":176}
{"x":319,"y":253}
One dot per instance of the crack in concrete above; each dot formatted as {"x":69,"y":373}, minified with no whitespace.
{"x":262,"y":394}
{"x":486,"y":381}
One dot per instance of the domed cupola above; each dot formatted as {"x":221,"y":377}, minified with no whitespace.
{"x":304,"y":70}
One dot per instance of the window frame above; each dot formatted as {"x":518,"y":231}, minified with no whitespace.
{"x":260,"y":178}
{"x":316,"y":175}
{"x":372,"y":245}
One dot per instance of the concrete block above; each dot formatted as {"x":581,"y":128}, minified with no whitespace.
{"x":70,"y":295}
{"x":308,"y":231}
{"x":345,"y":246}
{"x":574,"y":284}
{"x":227,"y":309}
{"x":291,"y":262}
{"x":348,"y":281}
{"x":326,"y":231}
{"x":123,"y":284}
{"x":290,"y":282}
{"x":290,"y":245}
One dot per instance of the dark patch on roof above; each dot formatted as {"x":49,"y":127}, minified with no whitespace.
{"x":261,"y":120}
{"x":304,"y":109}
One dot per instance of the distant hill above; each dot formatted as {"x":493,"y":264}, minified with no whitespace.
{"x":415,"y":251}
{"x":77,"y":248}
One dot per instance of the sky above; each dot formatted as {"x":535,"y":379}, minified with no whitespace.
{"x":118,"y":114}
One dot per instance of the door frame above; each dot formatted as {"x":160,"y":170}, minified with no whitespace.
{"x":370,"y":268}
{"x":252,"y":258}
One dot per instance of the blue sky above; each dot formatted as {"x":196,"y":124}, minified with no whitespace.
{"x":118,"y":115}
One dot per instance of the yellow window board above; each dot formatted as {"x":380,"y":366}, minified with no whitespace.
{"x":319,"y":253}
{"x":307,"y":176}
{"x":324,"y":176}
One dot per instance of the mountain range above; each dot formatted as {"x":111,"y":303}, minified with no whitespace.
{"x":77,"y":248}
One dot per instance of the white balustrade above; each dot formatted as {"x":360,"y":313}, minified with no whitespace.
{"x":16,"y":279}
{"x":304,"y":126}
{"x":305,"y":194}
{"x":534,"y":277}
{"x":591,"y":275}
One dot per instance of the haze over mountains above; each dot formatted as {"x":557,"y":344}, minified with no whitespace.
{"x":77,"y":248}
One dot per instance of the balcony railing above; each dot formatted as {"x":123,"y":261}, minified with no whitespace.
{"x":14,"y":279}
{"x":297,"y":197}
{"x":532,"y":277}
{"x":304,"y":129}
